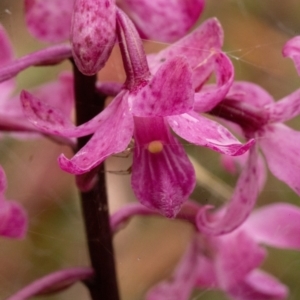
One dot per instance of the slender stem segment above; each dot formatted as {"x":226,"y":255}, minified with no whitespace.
{"x":94,"y":202}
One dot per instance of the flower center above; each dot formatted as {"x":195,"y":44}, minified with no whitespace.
{"x":155,"y":147}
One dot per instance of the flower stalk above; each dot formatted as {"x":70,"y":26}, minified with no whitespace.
{"x":94,"y":202}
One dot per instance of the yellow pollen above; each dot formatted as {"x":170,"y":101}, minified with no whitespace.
{"x":155,"y":147}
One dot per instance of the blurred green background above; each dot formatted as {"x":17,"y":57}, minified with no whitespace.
{"x":148,"y":249}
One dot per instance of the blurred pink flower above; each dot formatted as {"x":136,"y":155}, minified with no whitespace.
{"x":229,"y":262}
{"x":50,"y":21}
{"x":13,"y":218}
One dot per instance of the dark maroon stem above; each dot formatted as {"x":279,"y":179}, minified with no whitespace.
{"x":94,"y":203}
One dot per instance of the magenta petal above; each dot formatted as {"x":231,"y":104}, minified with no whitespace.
{"x":6,"y":48}
{"x":208,"y":133}
{"x":6,"y":56}
{"x":49,"y":56}
{"x":109,"y":88}
{"x":280,"y":145}
{"x":112,"y":136}
{"x":285,"y":109}
{"x":3,"y":181}
{"x":238,"y":255}
{"x":196,"y":46}
{"x":13,"y":220}
{"x":163,"y":177}
{"x":240,"y":206}
{"x":170,"y":91}
{"x":54,"y":282}
{"x":250,"y":93}
{"x":292,"y":50}
{"x":93,"y":33}
{"x":169,"y":19}
{"x":49,"y":21}
{"x":130,"y":210}
{"x":277,"y":225}
{"x":182,"y":282}
{"x":50,"y":120}
{"x":206,"y":100}
{"x":259,"y":285}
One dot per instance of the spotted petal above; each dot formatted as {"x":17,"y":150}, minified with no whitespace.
{"x":170,"y":91}
{"x":280,"y":145}
{"x":207,"y":99}
{"x":208,"y":133}
{"x":162,"y":176}
{"x":196,"y":46}
{"x":93,"y":33}
{"x":112,"y":136}
{"x":238,"y":254}
{"x":49,"y":21}
{"x":50,"y":120}
{"x":240,"y":206}
{"x":285,"y":109}
{"x":259,"y":285}
{"x":292,"y":50}
{"x":276,"y":225}
{"x":250,"y":93}
{"x":169,"y":20}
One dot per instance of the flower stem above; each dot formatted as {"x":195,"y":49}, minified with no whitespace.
{"x":94,"y":202}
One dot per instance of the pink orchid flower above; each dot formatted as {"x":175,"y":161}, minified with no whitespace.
{"x":145,"y":108}
{"x":260,"y":117}
{"x":12,"y":118}
{"x":230,"y":262}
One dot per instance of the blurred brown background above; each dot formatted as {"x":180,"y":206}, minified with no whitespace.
{"x":148,"y":249}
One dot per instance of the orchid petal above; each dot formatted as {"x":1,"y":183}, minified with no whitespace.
{"x":13,"y":220}
{"x":285,"y":109}
{"x":206,"y":274}
{"x":49,"y":56}
{"x":197,"y":46}
{"x":6,"y":57}
{"x":208,"y":133}
{"x":233,"y":164}
{"x":3,"y":181}
{"x":170,"y":91}
{"x":109,"y":88}
{"x":292,"y":50}
{"x":276,"y":225}
{"x":182,"y":281}
{"x":169,"y":20}
{"x":249,"y":93}
{"x":127,"y":212}
{"x":280,"y":145}
{"x":162,"y":178}
{"x":259,"y":285}
{"x":6,"y":48}
{"x":112,"y":136}
{"x":93,"y":33}
{"x":50,"y":120}
{"x":53,"y":282}
{"x":240,"y":205}
{"x":49,"y":21}
{"x":63,"y":89}
{"x":206,"y":100}
{"x":238,"y":254}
